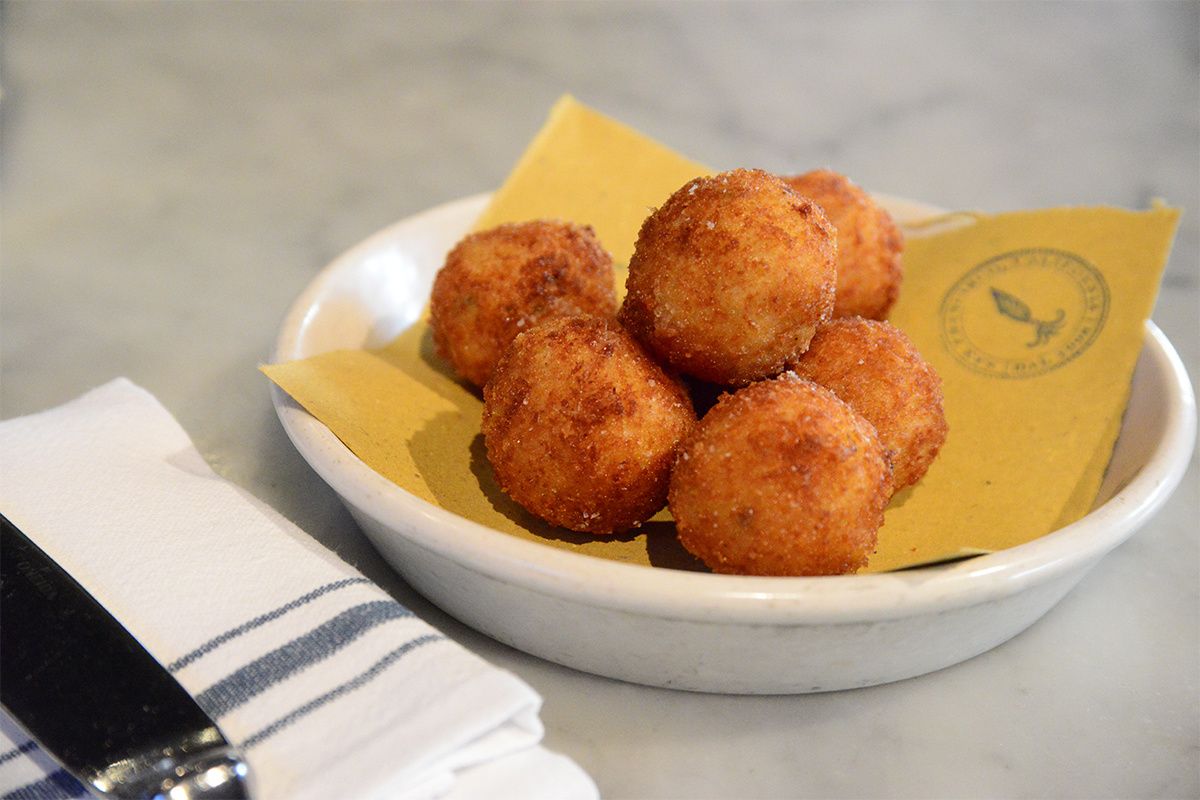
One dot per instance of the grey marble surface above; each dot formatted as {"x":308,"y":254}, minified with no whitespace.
{"x":174,"y":175}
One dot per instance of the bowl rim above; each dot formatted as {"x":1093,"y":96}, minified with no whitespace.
{"x":707,"y":597}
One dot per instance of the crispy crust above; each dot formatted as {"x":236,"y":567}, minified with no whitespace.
{"x":869,"y":244}
{"x":875,"y":368}
{"x":582,"y":427}
{"x":731,"y":277}
{"x":498,"y":282}
{"x":781,"y":478}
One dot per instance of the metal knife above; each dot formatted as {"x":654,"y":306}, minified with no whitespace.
{"x":93,"y":698}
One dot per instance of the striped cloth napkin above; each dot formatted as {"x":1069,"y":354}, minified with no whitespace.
{"x":330,"y":688}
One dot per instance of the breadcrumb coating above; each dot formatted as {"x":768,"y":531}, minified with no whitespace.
{"x":731,"y":277}
{"x":870,"y":245}
{"x":499,"y":282}
{"x":781,"y":478}
{"x":877,"y":370}
{"x":582,"y":427}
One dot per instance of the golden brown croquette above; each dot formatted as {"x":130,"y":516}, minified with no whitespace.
{"x":731,"y":277}
{"x":869,"y":244}
{"x":498,"y":282}
{"x":781,"y":478}
{"x":877,"y":370}
{"x":582,"y":427}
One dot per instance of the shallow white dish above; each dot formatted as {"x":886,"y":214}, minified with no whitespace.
{"x":699,"y":631}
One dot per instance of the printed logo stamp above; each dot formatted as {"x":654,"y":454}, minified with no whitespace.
{"x":1024,"y":313}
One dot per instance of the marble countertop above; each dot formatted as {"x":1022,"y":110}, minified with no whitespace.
{"x":174,"y":175}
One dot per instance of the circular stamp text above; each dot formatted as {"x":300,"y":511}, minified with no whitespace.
{"x":1024,"y":313}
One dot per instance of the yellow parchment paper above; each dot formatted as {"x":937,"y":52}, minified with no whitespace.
{"x":587,"y":168}
{"x":1033,"y":319}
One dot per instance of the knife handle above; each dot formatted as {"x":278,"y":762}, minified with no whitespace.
{"x":215,"y":774}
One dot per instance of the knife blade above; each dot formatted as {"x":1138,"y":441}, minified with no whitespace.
{"x":93,"y":698}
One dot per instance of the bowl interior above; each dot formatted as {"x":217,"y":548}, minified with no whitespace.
{"x":379,"y":288}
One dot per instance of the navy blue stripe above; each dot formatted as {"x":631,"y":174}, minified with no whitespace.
{"x":16,"y":751}
{"x":349,"y":686}
{"x":259,"y":621}
{"x":298,"y":654}
{"x":55,"y":786}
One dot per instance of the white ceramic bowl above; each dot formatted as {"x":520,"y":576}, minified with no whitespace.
{"x":690,"y":630}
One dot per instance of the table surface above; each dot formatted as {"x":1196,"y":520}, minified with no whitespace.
{"x":175,"y":174}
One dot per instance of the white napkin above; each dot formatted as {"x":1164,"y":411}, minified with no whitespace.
{"x":330,"y":687}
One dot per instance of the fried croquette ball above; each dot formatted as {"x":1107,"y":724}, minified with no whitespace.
{"x":498,"y":282}
{"x":781,"y":478}
{"x":731,"y":277}
{"x":869,"y":244}
{"x":582,"y":427}
{"x":875,"y":368}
